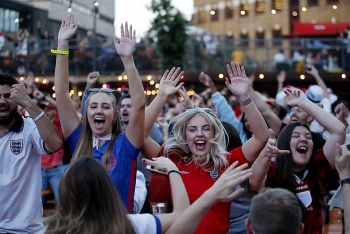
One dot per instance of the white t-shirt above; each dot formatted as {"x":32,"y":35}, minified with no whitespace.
{"x":20,"y":179}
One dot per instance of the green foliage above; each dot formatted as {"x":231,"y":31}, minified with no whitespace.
{"x":170,"y":27}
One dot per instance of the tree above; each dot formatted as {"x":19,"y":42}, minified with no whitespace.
{"x":170,"y":27}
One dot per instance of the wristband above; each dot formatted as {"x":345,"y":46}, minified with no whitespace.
{"x":246,"y":102}
{"x":345,"y":181}
{"x":38,"y":117}
{"x":63,"y":52}
{"x":174,"y":171}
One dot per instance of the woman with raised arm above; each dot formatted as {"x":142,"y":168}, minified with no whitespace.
{"x":198,"y":147}
{"x":301,"y":171}
{"x":100,"y":134}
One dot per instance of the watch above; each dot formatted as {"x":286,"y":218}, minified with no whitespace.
{"x":345,"y":181}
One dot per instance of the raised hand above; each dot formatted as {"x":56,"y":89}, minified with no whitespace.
{"x":126,"y":45}
{"x":205,"y":79}
{"x":294,"y":96}
{"x":342,"y":161}
{"x":186,"y":100}
{"x":340,"y":111}
{"x":20,"y":95}
{"x":238,"y":83}
{"x":91,"y":79}
{"x":270,"y":149}
{"x":169,"y":84}
{"x":68,"y":28}
{"x":224,"y":188}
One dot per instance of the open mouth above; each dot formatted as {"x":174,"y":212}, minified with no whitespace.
{"x":4,"y":111}
{"x":200,"y":145}
{"x":99,"y":122}
{"x":302,"y":150}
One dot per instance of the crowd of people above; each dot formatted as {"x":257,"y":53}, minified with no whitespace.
{"x":237,"y":161}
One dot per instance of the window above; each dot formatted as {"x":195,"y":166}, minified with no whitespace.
{"x":244,"y":38}
{"x":276,"y":36}
{"x":312,"y":2}
{"x":244,"y":8}
{"x":214,"y":14}
{"x":260,"y":7}
{"x":277,"y":5}
{"x":332,"y":1}
{"x":260,"y":37}
{"x":229,"y":10}
{"x":201,"y":17}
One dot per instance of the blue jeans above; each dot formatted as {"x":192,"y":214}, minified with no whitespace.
{"x":52,"y":176}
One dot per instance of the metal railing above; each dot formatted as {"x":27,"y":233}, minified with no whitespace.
{"x":204,"y":53}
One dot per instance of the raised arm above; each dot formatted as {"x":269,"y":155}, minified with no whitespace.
{"x":238,"y":84}
{"x":125,"y":47}
{"x":178,"y":190}
{"x":274,"y":122}
{"x":66,"y":111}
{"x":319,"y":80}
{"x":262,"y":163}
{"x":91,"y":80}
{"x":342,"y":164}
{"x":329,"y":122}
{"x":168,"y":85}
{"x":46,"y":128}
{"x":223,"y":190}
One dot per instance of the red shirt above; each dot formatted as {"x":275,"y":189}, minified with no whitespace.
{"x":197,"y":181}
{"x":312,"y":211}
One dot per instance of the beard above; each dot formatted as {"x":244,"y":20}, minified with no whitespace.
{"x":7,"y":119}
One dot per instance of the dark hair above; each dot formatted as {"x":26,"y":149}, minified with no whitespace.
{"x":284,"y":176}
{"x":88,"y":202}
{"x":275,"y":211}
{"x":232,"y":138}
{"x":7,"y":79}
{"x":249,"y":134}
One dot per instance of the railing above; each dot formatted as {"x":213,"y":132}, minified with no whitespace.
{"x":204,"y":53}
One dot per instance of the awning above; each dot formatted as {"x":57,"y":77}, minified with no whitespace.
{"x":319,"y":29}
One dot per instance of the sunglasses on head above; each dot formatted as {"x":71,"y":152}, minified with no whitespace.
{"x":105,"y":90}
{"x":206,"y":110}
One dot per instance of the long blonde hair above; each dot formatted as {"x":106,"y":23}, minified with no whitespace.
{"x":84,"y":146}
{"x":216,"y":158}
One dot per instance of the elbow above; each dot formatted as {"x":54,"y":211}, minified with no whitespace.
{"x":57,"y":145}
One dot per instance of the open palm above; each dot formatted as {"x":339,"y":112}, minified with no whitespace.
{"x":238,"y":83}
{"x":169,"y":84}
{"x":126,"y":45}
{"x":68,"y":28}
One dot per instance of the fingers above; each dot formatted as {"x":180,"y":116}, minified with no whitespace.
{"x":235,"y":194}
{"x":122,"y":34}
{"x":229,"y":70}
{"x":271,"y":133}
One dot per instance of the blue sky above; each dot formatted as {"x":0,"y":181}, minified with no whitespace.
{"x":135,"y":12}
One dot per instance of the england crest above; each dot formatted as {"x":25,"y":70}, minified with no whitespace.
{"x":16,"y":146}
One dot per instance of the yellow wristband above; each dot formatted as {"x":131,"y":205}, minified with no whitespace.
{"x":65,"y":52}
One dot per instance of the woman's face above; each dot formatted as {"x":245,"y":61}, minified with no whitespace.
{"x":100,"y":114}
{"x":198,"y":134}
{"x":301,"y":145}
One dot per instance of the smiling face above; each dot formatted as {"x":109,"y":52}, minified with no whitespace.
{"x":101,"y":114}
{"x":298,"y":114}
{"x":8,"y":107}
{"x":301,"y":145}
{"x":198,"y":134}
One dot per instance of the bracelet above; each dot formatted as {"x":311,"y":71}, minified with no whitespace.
{"x":246,"y":102}
{"x":64,"y":52}
{"x":174,"y":171}
{"x":345,"y":181}
{"x":38,"y":117}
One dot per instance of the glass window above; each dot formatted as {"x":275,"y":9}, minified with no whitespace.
{"x":214,"y":14}
{"x":312,"y":2}
{"x":244,"y":39}
{"x":260,"y":6}
{"x":332,"y":1}
{"x":7,"y":20}
{"x":277,"y":35}
{"x":2,"y":15}
{"x":244,"y":8}
{"x":229,"y":10}
{"x":277,"y":5}
{"x":260,"y":38}
{"x":201,"y":16}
